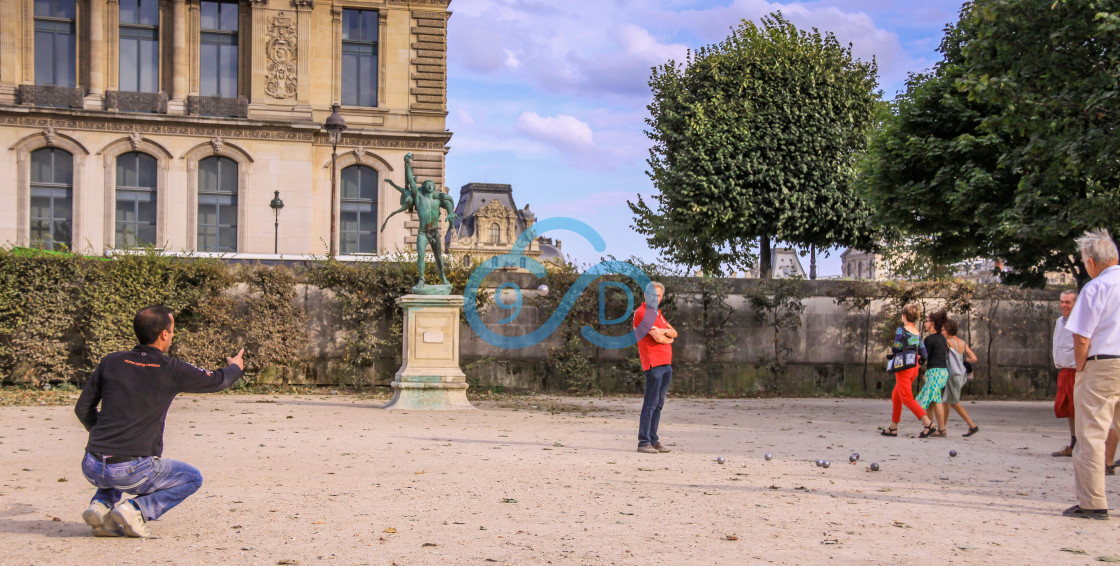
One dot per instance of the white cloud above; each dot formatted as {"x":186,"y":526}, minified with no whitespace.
{"x":565,"y":132}
{"x":607,"y":202}
{"x":463,"y":118}
{"x":512,"y":61}
{"x":606,"y":49}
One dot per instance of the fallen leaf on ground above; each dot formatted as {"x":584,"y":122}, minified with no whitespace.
{"x":390,"y":530}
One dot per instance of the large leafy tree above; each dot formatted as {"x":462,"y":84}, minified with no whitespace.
{"x":755,"y":139}
{"x":1008,"y":147}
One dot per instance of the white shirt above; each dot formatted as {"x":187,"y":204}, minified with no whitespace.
{"x":1063,"y":346}
{"x":1096,"y":314}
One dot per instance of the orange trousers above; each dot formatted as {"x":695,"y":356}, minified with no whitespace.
{"x":904,"y":395}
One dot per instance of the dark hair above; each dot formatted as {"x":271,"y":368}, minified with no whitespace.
{"x":938,"y":319}
{"x":149,"y":322}
{"x":951,"y":327}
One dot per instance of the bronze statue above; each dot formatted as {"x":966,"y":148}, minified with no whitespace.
{"x":426,"y":201}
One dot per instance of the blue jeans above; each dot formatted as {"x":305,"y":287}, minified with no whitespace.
{"x":159,"y":484}
{"x":657,"y":386}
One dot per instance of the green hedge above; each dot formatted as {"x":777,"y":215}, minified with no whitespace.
{"x":60,"y":313}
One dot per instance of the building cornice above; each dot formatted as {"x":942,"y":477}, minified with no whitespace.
{"x":207,"y":127}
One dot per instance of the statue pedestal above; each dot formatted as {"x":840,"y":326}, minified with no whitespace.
{"x":430,"y":378}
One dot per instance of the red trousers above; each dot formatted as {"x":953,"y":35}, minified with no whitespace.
{"x":904,"y":395}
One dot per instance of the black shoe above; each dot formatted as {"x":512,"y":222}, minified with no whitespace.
{"x":1077,"y":511}
{"x":928,"y":431}
{"x":971,"y":431}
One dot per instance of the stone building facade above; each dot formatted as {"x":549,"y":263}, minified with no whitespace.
{"x":489,"y":224}
{"x":173,"y":123}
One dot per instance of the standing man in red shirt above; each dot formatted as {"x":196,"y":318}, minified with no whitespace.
{"x":656,"y":352}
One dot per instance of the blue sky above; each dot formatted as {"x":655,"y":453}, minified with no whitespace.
{"x":550,"y":95}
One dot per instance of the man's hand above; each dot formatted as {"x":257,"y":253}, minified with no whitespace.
{"x":236,"y":360}
{"x":1080,"y":351}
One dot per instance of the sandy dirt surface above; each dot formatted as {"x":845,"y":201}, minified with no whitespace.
{"x":332,"y":479}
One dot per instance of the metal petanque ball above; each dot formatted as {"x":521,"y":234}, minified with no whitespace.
{"x":542,"y":290}
{"x":953,"y":453}
{"x":820,"y":463}
{"x":720,"y":460}
{"x":768,"y":456}
{"x":853,"y":458}
{"x":874,"y":466}
{"x":825,"y":464}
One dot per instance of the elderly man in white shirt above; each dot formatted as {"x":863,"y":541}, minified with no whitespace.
{"x":1095,"y":324}
{"x":1064,"y":360}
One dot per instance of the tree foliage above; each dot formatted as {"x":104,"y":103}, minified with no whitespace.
{"x":1008,"y":147}
{"x":755,"y":139}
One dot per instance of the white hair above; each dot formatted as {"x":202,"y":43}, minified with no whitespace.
{"x":655,"y":284}
{"x":1069,"y":292}
{"x":1098,"y":246}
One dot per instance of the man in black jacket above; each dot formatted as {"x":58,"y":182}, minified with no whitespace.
{"x":135,"y":390}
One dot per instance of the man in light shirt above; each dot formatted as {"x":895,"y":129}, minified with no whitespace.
{"x":1095,"y":324}
{"x":1062,"y":353}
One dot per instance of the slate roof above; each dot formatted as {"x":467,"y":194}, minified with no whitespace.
{"x":474,"y":196}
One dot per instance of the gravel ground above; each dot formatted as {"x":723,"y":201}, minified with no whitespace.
{"x":331,"y":479}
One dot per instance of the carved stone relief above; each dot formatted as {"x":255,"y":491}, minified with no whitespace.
{"x":281,"y":77}
{"x":136,"y":140}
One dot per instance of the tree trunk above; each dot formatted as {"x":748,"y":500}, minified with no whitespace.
{"x":812,"y":262}
{"x":764,"y":261}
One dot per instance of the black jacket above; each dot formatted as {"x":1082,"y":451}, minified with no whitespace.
{"x":135,"y":390}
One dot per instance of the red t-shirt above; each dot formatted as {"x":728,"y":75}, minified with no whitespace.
{"x":652,"y":353}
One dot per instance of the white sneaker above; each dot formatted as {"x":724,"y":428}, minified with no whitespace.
{"x":131,"y":520}
{"x":97,"y":516}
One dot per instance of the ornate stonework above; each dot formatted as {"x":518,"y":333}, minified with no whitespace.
{"x":218,"y":143}
{"x":257,"y":132}
{"x":50,"y":134}
{"x":360,"y":154}
{"x":282,"y":72}
{"x":429,"y":62}
{"x":151,"y":102}
{"x":136,"y":140}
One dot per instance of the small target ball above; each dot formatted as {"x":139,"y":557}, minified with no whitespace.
{"x":874,"y":466}
{"x":825,"y":464}
{"x":720,"y":460}
{"x":953,"y":453}
{"x":853,"y":458}
{"x":542,"y":290}
{"x":768,"y":456}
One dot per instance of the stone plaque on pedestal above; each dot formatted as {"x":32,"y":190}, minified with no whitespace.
{"x":430,"y":377}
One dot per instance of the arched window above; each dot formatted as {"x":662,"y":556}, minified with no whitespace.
{"x":861,"y":270}
{"x":217,"y":204}
{"x":495,"y":233}
{"x":52,"y":198}
{"x":357,"y":232}
{"x":136,"y":200}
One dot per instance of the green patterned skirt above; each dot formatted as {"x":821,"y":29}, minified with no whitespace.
{"x":936,"y":378}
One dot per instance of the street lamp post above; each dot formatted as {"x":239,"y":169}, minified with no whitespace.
{"x":276,"y":205}
{"x":334,"y":125}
